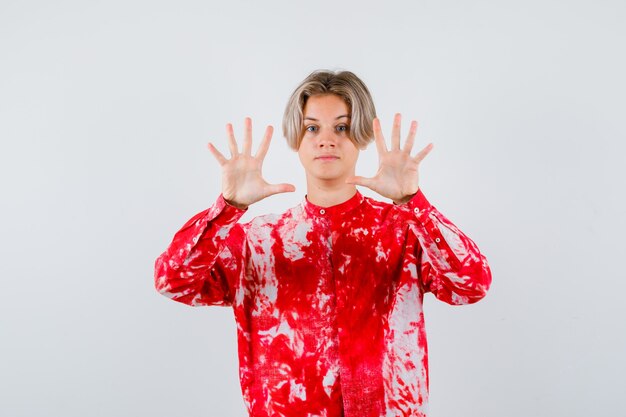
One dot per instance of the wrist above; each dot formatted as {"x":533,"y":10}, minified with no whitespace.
{"x":235,"y":204}
{"x":405,"y":199}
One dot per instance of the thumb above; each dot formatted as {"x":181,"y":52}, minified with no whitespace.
{"x":365,"y":182}
{"x":272,"y":189}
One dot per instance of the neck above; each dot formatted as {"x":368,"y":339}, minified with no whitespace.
{"x":327,"y":194}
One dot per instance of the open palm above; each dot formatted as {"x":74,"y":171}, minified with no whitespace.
{"x":242,"y":181}
{"x":397,"y":177}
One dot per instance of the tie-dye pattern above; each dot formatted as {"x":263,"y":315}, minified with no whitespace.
{"x":327,"y":301}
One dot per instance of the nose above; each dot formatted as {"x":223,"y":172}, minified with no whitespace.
{"x":327,"y":140}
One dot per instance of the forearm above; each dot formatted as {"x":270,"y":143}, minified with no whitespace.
{"x":187,"y":270}
{"x":452,"y":266}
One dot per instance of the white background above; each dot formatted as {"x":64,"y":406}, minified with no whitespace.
{"x":105,"y":111}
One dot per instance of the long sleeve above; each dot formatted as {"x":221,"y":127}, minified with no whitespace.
{"x":201,"y":265}
{"x":451,"y":265}
{"x":328,"y":301}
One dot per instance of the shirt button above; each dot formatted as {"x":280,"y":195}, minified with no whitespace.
{"x":437,"y":240}
{"x":416,"y":210}
{"x":322,"y":211}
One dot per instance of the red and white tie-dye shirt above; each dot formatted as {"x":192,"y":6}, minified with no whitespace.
{"x":327,"y":300}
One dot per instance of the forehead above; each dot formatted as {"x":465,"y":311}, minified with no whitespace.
{"x":325,"y":105}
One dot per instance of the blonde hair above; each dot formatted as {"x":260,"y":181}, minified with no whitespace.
{"x":344,"y":84}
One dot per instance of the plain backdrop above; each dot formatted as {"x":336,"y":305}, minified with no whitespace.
{"x":106,"y":108}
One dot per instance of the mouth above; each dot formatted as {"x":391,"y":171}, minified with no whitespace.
{"x":327,"y":158}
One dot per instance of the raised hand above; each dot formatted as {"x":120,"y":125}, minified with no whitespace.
{"x":397,"y":177}
{"x":242,"y":181}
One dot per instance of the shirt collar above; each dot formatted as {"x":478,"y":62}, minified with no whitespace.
{"x":333,"y":211}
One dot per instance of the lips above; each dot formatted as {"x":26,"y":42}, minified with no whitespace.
{"x":327,"y":157}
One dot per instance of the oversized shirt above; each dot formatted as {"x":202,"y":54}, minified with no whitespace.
{"x":327,"y":300}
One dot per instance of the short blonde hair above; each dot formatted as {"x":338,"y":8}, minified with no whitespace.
{"x":343,"y":84}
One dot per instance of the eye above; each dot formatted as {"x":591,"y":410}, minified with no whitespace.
{"x":311,"y":128}
{"x":343,"y":128}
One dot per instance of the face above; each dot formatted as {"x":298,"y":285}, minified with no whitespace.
{"x":326,"y":151}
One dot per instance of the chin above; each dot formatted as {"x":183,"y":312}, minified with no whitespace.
{"x":328,"y":175}
{"x":331,"y":178}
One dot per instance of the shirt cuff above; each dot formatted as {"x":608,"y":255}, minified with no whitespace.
{"x":226,"y":212}
{"x":420,"y":205}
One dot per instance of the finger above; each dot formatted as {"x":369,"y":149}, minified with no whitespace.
{"x":247,"y":137}
{"x":232,"y":143}
{"x":217,"y":154}
{"x":422,"y":154}
{"x":272,"y":189}
{"x":381,"y":147}
{"x":265,"y":143}
{"x":365,"y":182}
{"x":410,"y":139}
{"x":395,"y":132}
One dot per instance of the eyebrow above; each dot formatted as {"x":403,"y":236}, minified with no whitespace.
{"x":338,"y":117}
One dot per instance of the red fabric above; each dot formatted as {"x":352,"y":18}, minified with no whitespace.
{"x":327,"y":301}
